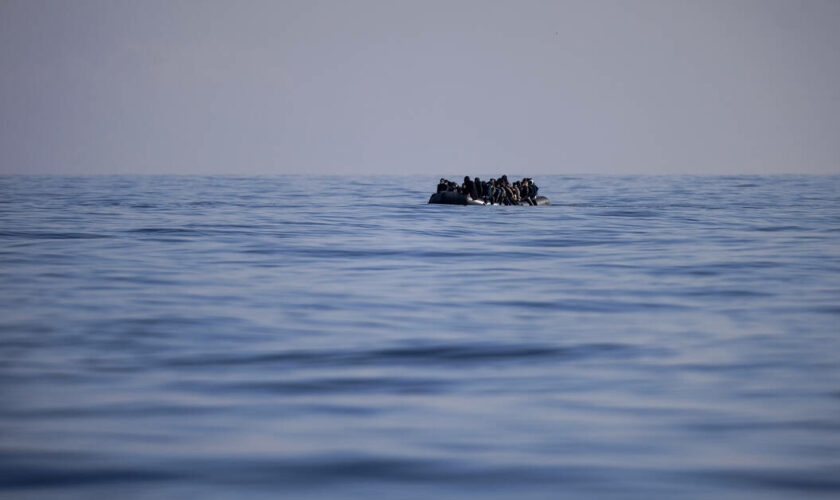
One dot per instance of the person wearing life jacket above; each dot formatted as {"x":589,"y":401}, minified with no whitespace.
{"x":510,"y":199}
{"x":497,"y":191}
{"x":516,"y":196}
{"x":524,"y":196}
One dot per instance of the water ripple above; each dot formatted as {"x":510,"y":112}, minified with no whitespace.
{"x":227,"y":337}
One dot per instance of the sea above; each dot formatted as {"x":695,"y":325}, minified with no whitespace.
{"x":328,"y":337}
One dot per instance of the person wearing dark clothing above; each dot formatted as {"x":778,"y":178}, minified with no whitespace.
{"x":468,"y":188}
{"x":511,"y":199}
{"x":525,"y":192}
{"x":532,"y":191}
{"x":501,"y":188}
{"x":517,"y":193}
{"x":442,"y":185}
{"x":496,"y":194}
{"x":488,"y":191}
{"x":514,"y":190}
{"x":497,"y":191}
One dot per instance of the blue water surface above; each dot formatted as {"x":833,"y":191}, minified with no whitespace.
{"x":337,"y":337}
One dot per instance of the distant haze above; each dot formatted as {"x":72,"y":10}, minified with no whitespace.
{"x":419,"y":87}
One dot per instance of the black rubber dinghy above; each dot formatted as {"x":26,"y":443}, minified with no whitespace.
{"x":454,"y":198}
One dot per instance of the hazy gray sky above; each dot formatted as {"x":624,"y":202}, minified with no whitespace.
{"x":538,"y":87}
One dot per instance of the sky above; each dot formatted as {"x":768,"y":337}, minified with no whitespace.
{"x":419,"y":87}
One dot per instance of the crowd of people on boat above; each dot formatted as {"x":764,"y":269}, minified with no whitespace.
{"x":495,"y":191}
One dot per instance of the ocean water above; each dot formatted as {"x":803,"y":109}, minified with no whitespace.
{"x":322,"y":337}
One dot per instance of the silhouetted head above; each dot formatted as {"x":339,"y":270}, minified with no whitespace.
{"x":466,"y":178}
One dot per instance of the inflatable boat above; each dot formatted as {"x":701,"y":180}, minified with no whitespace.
{"x":455,"y":198}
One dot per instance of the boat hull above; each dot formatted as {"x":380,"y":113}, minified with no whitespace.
{"x":454,"y":198}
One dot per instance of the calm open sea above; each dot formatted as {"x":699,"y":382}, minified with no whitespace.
{"x":323,"y":337}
